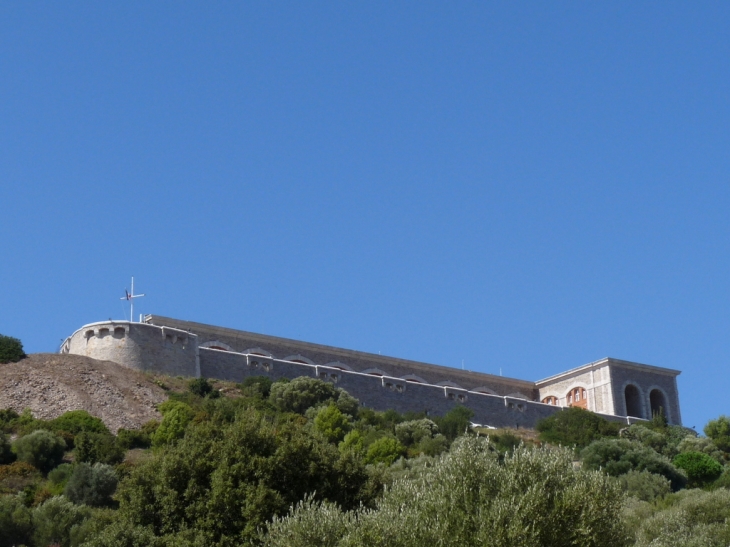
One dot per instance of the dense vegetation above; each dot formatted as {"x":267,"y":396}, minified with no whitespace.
{"x":11,"y":350}
{"x":300,"y":463}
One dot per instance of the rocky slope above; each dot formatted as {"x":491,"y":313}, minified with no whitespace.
{"x":50,"y":384}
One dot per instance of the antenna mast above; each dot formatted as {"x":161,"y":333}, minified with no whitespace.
{"x":131,"y":296}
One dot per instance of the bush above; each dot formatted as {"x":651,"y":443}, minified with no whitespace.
{"x":42,"y":449}
{"x":696,"y":519}
{"x":455,"y":422}
{"x":575,"y":427}
{"x":700,"y":468}
{"x":8,"y":417}
{"x":200,"y":387}
{"x":176,"y":417}
{"x":60,"y":475}
{"x":16,"y":525}
{"x":91,"y":485}
{"x":11,"y":350}
{"x":534,"y":498}
{"x":6,"y":451}
{"x":385,"y":450}
{"x":719,"y":431}
{"x":414,"y":431}
{"x":257,"y":384}
{"x":619,"y":456}
{"x":133,"y":438}
{"x":645,"y":486}
{"x":228,"y":480}
{"x":301,"y":393}
{"x":55,"y":520}
{"x":332,"y":423}
{"x":76,"y":421}
{"x":98,"y":447}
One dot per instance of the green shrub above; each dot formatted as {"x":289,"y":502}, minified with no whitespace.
{"x":257,"y":384}
{"x":300,"y":394}
{"x":385,"y":450}
{"x":55,"y":520}
{"x":98,"y":447}
{"x":133,"y":438}
{"x":695,"y":519}
{"x":575,"y":427}
{"x":414,"y":431}
{"x":16,"y":524}
{"x":619,"y":456}
{"x":200,"y":387}
{"x":6,"y":451}
{"x":76,"y":421}
{"x":533,"y":498}
{"x":8,"y":417}
{"x":332,"y":423}
{"x":11,"y":350}
{"x":455,"y":422}
{"x":700,"y":468}
{"x":176,"y":417}
{"x":645,"y":486}
{"x":42,"y":449}
{"x":91,"y":485}
{"x":60,"y":475}
{"x":719,"y":431}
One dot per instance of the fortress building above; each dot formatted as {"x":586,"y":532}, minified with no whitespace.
{"x":619,"y":390}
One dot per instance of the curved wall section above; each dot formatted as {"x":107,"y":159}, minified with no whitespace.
{"x":138,"y":346}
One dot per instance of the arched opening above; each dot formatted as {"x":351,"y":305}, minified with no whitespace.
{"x":577,"y":397}
{"x":551,"y":400}
{"x":633,"y":401}
{"x":658,"y":402}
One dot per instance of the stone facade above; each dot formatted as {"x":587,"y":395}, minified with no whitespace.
{"x":617,"y":389}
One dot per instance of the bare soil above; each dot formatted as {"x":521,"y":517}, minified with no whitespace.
{"x":50,"y":384}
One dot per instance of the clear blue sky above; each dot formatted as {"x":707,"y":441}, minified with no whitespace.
{"x":522,"y":186}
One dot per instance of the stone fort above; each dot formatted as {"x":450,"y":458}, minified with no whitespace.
{"x":616,"y":389}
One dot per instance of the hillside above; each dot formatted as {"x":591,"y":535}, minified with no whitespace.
{"x":51,"y":384}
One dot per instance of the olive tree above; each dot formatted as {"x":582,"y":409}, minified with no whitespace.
{"x":471,"y":496}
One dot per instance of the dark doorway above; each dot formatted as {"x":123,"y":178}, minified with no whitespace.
{"x":633,"y":401}
{"x":658,"y":403}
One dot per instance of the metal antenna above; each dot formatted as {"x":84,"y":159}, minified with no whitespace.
{"x":131,"y":296}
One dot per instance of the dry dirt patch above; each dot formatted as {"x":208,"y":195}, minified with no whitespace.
{"x":50,"y":384}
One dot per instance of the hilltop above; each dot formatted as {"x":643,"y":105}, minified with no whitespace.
{"x":50,"y":384}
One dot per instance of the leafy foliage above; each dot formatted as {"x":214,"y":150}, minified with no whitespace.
{"x":534,"y":498}
{"x":257,"y":384}
{"x":719,"y":431}
{"x":98,"y":447}
{"x":11,"y":350}
{"x":455,"y":422}
{"x":644,"y":485}
{"x":203,"y":388}
{"x":301,"y":393}
{"x":176,"y":417}
{"x":696,"y":519}
{"x":332,"y":423}
{"x":41,"y":449}
{"x":91,"y":485}
{"x":619,"y":456}
{"x":248,"y":470}
{"x":700,"y":468}
{"x":16,"y":524}
{"x":385,"y":450}
{"x":575,"y":427}
{"x":76,"y":421}
{"x":55,"y":521}
{"x":6,"y":452}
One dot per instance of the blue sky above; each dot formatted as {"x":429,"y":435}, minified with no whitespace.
{"x":527,"y":187}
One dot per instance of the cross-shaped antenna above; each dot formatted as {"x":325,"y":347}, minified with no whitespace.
{"x":131,"y":296}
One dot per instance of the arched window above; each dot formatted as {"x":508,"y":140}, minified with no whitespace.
{"x":551,"y":400}
{"x":632,"y":397}
{"x":577,"y":397}
{"x":658,"y":402}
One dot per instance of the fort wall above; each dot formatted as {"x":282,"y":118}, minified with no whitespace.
{"x":618,"y":390}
